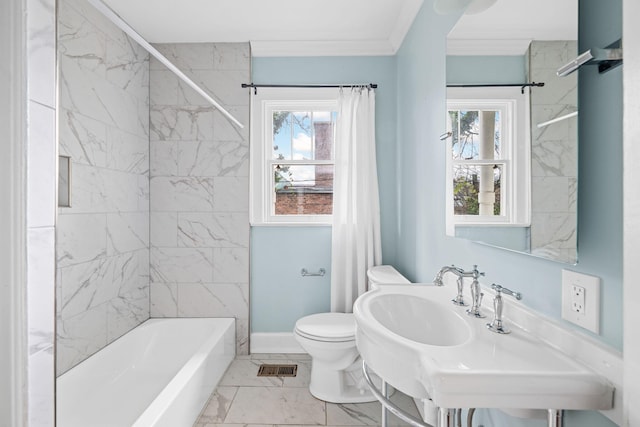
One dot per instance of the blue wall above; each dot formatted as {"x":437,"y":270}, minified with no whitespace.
{"x":279,"y":295}
{"x":486,"y":69}
{"x":421,"y":94}
{"x":411,"y":111}
{"x":424,"y":246}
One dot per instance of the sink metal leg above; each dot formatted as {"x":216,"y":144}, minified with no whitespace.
{"x":385,"y":413}
{"x":446,"y":417}
{"x":555,"y":417}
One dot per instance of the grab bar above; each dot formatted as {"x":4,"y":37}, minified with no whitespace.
{"x":306,"y":273}
{"x":389,"y":405}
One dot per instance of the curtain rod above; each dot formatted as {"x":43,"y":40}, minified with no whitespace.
{"x":256,"y":86}
{"x":124,"y":26}
{"x":520,"y":85}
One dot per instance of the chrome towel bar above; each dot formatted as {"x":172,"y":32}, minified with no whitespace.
{"x":306,"y":273}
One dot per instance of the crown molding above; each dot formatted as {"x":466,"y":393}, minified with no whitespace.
{"x":322,"y":48}
{"x":380,"y":47}
{"x":466,"y":47}
{"x":405,"y":19}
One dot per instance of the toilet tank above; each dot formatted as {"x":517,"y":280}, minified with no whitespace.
{"x":384,"y":275}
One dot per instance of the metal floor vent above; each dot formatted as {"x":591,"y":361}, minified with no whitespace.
{"x":267,"y":370}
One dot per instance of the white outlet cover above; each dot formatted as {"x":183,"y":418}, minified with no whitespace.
{"x":590,"y":318}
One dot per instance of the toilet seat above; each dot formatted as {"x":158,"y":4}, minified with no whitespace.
{"x":327,"y":327}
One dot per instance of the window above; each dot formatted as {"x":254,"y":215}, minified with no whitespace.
{"x":292,"y":155}
{"x":488,"y":155}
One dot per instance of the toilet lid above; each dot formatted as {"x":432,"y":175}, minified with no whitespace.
{"x":328,"y":326}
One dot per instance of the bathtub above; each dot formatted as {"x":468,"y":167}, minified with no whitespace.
{"x":159,"y":374}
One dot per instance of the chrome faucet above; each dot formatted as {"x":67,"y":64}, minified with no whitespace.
{"x":476,"y":294}
{"x":496,"y":325}
{"x":447,"y":268}
{"x":459,"y":299}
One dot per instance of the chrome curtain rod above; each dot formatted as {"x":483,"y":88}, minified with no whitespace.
{"x":256,"y":86}
{"x":520,"y":85}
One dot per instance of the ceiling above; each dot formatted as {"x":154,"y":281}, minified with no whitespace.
{"x":508,"y":26}
{"x":276,"y":27}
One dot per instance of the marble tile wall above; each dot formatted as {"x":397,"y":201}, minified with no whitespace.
{"x":41,"y":191}
{"x":554,"y":161}
{"x":103,"y":238}
{"x":199,"y":186}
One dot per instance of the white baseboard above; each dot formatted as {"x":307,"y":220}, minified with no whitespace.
{"x":274,"y":342}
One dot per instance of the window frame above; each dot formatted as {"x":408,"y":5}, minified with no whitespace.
{"x":515,"y":148}
{"x":263,"y":104}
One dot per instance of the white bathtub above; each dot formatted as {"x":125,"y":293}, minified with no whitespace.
{"x":159,"y":374}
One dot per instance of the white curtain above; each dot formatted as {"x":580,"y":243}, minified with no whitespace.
{"x":355,"y":243}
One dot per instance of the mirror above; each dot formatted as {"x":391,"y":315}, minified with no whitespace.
{"x":523,"y":196}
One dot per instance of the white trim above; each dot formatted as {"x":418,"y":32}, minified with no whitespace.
{"x":465,"y":47}
{"x":13,"y":320}
{"x":278,"y":48}
{"x":381,"y":47}
{"x":274,"y":342}
{"x":631,"y":213}
{"x":404,"y":22}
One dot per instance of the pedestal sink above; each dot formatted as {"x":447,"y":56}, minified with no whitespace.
{"x":438,"y":324}
{"x":415,"y":339}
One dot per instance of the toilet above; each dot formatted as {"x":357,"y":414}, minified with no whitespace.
{"x":329,"y":338}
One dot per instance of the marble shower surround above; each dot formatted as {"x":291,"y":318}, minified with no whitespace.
{"x":554,"y":152}
{"x":199,"y":186}
{"x":103,"y":238}
{"x":41,"y":166}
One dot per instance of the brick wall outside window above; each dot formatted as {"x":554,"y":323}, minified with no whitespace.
{"x":303,"y":203}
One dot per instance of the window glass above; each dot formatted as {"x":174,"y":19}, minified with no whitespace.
{"x":303,"y":189}
{"x":466,"y":189}
{"x":468,"y":128}
{"x":303,"y":136}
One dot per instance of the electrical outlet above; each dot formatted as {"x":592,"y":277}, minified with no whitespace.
{"x":581,"y":300}
{"x":577,"y":299}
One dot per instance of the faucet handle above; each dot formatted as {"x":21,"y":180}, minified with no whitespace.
{"x":475,"y":272}
{"x":497,"y":325}
{"x":501,"y":289}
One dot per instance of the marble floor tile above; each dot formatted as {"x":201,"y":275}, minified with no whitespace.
{"x":245,"y":400}
{"x":233,"y":425}
{"x":218,"y":405}
{"x":277,"y":405}
{"x":368,"y":414}
{"x":244,"y":372}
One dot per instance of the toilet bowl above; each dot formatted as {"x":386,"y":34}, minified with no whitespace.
{"x":329,"y":338}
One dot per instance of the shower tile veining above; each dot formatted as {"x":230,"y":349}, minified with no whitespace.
{"x":243,"y":399}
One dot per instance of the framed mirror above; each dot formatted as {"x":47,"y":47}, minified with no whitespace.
{"x":512,"y":128}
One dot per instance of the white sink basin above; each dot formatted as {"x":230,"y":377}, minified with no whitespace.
{"x":419,"y":342}
{"x":420,"y":320}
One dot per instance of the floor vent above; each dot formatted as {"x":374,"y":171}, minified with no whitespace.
{"x":267,"y":370}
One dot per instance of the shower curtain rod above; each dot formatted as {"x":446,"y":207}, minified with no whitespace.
{"x":256,"y":86}
{"x":520,"y":85}
{"x":124,"y":26}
